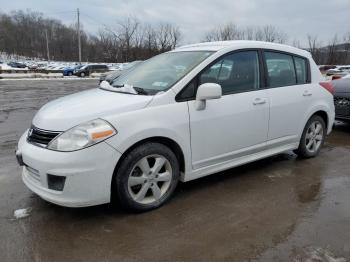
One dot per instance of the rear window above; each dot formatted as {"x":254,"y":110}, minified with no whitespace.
{"x":301,"y":69}
{"x":280,"y":69}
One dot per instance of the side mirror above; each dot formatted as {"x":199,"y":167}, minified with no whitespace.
{"x":206,"y":92}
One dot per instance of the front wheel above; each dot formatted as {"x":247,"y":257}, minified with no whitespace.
{"x":147,"y":177}
{"x":82,"y":74}
{"x":312,"y":138}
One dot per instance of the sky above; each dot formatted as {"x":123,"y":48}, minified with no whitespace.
{"x":297,"y":18}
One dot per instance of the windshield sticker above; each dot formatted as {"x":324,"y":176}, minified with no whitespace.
{"x":161,"y":84}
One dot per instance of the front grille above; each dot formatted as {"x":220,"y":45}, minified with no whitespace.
{"x":342,"y":101}
{"x":342,"y":106}
{"x":41,"y":137}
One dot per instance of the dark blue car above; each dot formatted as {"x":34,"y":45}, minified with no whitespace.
{"x":68,"y":71}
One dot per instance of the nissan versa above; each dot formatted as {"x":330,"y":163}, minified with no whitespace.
{"x":181,"y":115}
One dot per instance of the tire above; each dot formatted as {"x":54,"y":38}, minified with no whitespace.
{"x":138,"y":186}
{"x":82,"y":74}
{"x":313,"y":137}
{"x":70,"y":73}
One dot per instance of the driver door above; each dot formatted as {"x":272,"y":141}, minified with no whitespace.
{"x":235,"y":125}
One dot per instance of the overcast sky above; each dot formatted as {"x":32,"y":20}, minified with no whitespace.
{"x":297,"y":18}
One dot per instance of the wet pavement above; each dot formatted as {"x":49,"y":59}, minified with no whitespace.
{"x":278,"y":209}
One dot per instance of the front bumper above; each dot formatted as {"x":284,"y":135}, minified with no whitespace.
{"x":342,"y":113}
{"x":88,"y":173}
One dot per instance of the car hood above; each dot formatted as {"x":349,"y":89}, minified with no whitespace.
{"x":66,"y":112}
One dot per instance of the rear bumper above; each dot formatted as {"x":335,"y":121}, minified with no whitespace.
{"x":331,"y":122}
{"x":88,"y":173}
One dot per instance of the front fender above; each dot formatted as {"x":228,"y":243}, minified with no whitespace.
{"x":169,"y":121}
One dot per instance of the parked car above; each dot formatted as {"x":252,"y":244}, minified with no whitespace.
{"x":86,"y":70}
{"x":178,"y":116}
{"x":69,"y":71}
{"x":110,"y":76}
{"x":339,"y":70}
{"x":325,"y":68}
{"x":342,"y":99}
{"x":33,"y":66}
{"x":17,"y":65}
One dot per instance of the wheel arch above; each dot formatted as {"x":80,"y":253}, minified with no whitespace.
{"x":323,"y":114}
{"x":321,"y":111}
{"x":170,"y":143}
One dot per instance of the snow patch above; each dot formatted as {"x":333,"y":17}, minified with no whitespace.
{"x":21,"y":213}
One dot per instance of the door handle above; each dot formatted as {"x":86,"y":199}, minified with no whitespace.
{"x":259,"y":101}
{"x":307,"y":93}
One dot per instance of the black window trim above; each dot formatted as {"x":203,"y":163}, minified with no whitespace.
{"x":308,"y":73}
{"x":262,"y":78}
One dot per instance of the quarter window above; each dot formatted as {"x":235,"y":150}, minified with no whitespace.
{"x":237,"y":72}
{"x":301,"y":69}
{"x":280,"y":69}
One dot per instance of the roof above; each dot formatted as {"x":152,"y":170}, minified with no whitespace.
{"x":238,"y":44}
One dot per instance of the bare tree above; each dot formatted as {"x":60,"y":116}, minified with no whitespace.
{"x":332,"y":51}
{"x":224,"y":32}
{"x":231,"y":31}
{"x":314,"y":47}
{"x":346,"y":40}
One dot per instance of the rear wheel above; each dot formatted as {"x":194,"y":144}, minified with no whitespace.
{"x":147,"y":177}
{"x":70,"y":73}
{"x":312,"y":138}
{"x":82,"y":74}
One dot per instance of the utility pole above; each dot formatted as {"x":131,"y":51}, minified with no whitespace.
{"x":79,"y":43}
{"x":47,"y":47}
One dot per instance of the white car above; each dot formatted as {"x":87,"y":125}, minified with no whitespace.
{"x":181,"y":115}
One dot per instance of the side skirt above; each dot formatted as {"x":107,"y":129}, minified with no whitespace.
{"x":205,"y":171}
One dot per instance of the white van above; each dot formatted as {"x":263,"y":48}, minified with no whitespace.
{"x":181,"y":115}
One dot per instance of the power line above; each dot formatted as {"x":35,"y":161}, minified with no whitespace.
{"x":94,"y":20}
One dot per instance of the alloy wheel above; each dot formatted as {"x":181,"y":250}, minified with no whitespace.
{"x":150,"y":179}
{"x":314,"y":136}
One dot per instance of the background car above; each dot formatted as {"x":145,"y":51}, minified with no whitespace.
{"x":86,"y":70}
{"x":110,"y":76}
{"x":17,"y":65}
{"x":342,"y":99}
{"x":325,"y":68}
{"x":339,"y":70}
{"x":69,"y":71}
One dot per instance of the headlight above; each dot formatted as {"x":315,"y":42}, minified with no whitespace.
{"x":82,"y":136}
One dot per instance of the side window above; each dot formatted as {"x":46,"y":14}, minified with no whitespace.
{"x":280,"y":69}
{"x":301,"y":69}
{"x":188,"y":92}
{"x":237,"y":72}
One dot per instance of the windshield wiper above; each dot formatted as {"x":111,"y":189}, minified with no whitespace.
{"x":141,"y":91}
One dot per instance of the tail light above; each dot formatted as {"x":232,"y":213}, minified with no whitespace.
{"x":328,"y":86}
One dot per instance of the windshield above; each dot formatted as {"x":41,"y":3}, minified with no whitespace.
{"x":161,"y":72}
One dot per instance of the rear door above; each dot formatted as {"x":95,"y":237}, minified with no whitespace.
{"x":290,"y":94}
